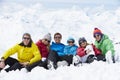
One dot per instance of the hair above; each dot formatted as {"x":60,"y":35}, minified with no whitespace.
{"x":27,"y":34}
{"x":57,"y":34}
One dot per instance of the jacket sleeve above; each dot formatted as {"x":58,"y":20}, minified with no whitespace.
{"x":81,"y":52}
{"x":36,"y":54}
{"x":96,"y":50}
{"x":109,"y":46}
{"x":10,"y":51}
{"x":65,"y":50}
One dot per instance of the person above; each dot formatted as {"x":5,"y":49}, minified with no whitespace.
{"x":103,"y":43}
{"x":57,"y":53}
{"x":69,"y":50}
{"x":43,"y":46}
{"x":85,"y":53}
{"x":27,"y":54}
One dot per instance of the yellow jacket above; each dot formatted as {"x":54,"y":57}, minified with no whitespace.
{"x":24,"y":54}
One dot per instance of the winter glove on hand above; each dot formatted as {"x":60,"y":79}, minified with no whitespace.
{"x":88,"y":51}
{"x":43,"y":59}
{"x":108,"y":56}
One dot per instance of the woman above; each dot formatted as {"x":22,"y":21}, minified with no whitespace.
{"x":27,"y":54}
{"x":103,"y":43}
{"x":86,"y":52}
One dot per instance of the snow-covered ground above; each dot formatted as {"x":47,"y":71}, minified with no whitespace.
{"x":16,"y":19}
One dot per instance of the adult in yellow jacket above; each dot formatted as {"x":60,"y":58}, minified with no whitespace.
{"x":27,"y":54}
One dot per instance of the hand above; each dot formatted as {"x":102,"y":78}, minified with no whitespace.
{"x":2,"y":64}
{"x":88,"y":51}
{"x":43,"y":59}
{"x":25,"y":64}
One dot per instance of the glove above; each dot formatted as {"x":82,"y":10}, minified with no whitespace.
{"x":43,"y":59}
{"x":108,"y":57}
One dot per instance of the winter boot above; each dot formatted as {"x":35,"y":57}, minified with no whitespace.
{"x":76,"y":60}
{"x":90,"y":59}
{"x":50,"y":65}
{"x":62,"y":63}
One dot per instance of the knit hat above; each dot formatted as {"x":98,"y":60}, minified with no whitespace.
{"x":97,"y":31}
{"x":47,"y":36}
{"x":82,"y":39}
{"x":70,"y":39}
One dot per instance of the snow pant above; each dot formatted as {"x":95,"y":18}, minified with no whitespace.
{"x":100,"y":57}
{"x":39,"y":63}
{"x":87,"y":58}
{"x":13,"y":64}
{"x":54,"y":57}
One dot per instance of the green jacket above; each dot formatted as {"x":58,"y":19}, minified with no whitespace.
{"x":105,"y":45}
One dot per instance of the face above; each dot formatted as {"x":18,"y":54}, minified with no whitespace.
{"x":26,"y":39}
{"x":57,"y":38}
{"x":83,"y":44}
{"x":46,"y":42}
{"x":97,"y":37}
{"x":71,"y":43}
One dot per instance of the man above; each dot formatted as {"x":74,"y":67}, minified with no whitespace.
{"x":27,"y":54}
{"x":103,"y":43}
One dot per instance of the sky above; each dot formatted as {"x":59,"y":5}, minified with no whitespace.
{"x":109,"y":4}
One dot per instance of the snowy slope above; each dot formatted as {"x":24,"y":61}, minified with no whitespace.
{"x":76,"y":22}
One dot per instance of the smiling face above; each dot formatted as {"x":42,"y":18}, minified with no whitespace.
{"x":45,"y":41}
{"x":26,"y":39}
{"x":57,"y":38}
{"x":83,"y":44}
{"x":97,"y":37}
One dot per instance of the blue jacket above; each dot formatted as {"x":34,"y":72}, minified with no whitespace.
{"x":70,"y":50}
{"x":58,"y":47}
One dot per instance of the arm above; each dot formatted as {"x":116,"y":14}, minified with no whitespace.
{"x":109,"y":46}
{"x":96,"y":50}
{"x":36,"y":54}
{"x":81,"y":52}
{"x":10,"y":51}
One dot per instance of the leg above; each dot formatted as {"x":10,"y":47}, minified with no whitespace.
{"x":14,"y":67}
{"x":53,"y":56}
{"x":67,"y":58}
{"x":43,"y":64}
{"x":90,"y":59}
{"x":52,"y":60}
{"x":30,"y":67}
{"x":10,"y":61}
{"x":100,"y":57}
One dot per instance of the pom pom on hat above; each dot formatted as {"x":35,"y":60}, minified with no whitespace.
{"x":47,"y":36}
{"x":97,"y":31}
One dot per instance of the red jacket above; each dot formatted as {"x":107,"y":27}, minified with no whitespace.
{"x":81,"y":52}
{"x":42,"y":48}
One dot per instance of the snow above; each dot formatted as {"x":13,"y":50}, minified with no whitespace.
{"x":15,"y":19}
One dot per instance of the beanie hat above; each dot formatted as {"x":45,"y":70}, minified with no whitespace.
{"x":70,"y":39}
{"x":82,"y":39}
{"x":97,"y":31}
{"x":47,"y":36}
